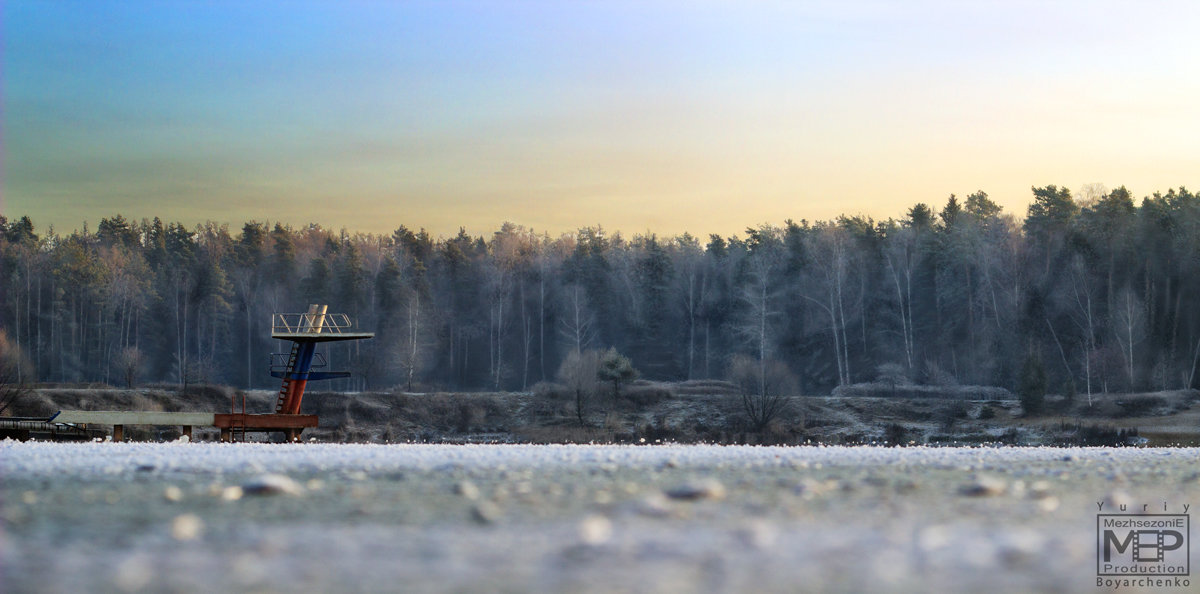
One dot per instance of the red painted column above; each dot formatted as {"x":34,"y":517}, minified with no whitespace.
{"x":295,"y":395}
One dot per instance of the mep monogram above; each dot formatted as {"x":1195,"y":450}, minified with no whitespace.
{"x":1143,"y":549}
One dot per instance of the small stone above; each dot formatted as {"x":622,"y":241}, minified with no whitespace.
{"x":231,"y":493}
{"x":757,"y":534}
{"x":134,"y":573}
{"x":485,"y":512}
{"x":1040,"y":490}
{"x":467,"y":490}
{"x":932,"y":538}
{"x":655,"y":506}
{"x":595,"y":530}
{"x":705,"y":489}
{"x":984,"y":486}
{"x":186,"y":527}
{"x":173,"y":494}
{"x":1115,"y":500}
{"x":272,"y":484}
{"x":1020,"y":547}
{"x":1048,"y":503}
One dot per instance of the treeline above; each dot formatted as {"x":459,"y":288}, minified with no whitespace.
{"x":1099,"y":291}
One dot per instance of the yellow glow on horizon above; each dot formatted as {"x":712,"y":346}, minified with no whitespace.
{"x":560,"y":117}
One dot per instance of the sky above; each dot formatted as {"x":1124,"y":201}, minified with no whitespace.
{"x":664,"y":117}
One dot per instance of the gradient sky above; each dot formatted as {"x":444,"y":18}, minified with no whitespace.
{"x":662,"y":116}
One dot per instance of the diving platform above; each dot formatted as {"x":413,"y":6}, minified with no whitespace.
{"x":315,"y":326}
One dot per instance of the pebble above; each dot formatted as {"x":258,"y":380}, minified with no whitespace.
{"x":186,"y":527}
{"x":1040,"y":490}
{"x":984,"y":486}
{"x":1115,"y":500}
{"x":655,"y":506}
{"x":173,"y":493}
{"x":272,"y":484}
{"x":467,"y":490}
{"x":485,"y":512}
{"x":757,"y":534}
{"x":1048,"y":504}
{"x":595,"y":530}
{"x":705,"y":489}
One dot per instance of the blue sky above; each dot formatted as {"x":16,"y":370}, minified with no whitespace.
{"x":669,"y":117}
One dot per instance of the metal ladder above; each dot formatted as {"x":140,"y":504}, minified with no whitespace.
{"x":237,"y":422}
{"x":287,"y":378}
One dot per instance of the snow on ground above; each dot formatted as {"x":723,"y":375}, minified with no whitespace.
{"x":428,"y":518}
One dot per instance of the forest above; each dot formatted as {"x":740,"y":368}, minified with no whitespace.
{"x":1098,"y":290}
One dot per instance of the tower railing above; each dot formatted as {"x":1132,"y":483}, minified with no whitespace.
{"x":281,"y":362}
{"x":310,"y":323}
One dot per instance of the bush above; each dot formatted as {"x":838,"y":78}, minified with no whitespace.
{"x":550,"y":391}
{"x":895,"y":434}
{"x":952,"y":414}
{"x":892,"y":375}
{"x":1095,"y":435}
{"x":879,"y":390}
{"x":1141,"y":405}
{"x":643,"y":395}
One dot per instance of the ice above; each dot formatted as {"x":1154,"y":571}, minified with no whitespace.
{"x":580,"y":518}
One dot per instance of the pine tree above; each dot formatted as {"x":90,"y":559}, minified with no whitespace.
{"x":1032,"y":388}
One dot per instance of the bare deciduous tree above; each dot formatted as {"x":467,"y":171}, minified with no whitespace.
{"x":765,"y":386}
{"x":578,"y":373}
{"x":15,"y":373}
{"x":129,"y":361}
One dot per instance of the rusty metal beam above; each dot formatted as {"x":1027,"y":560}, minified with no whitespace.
{"x":264,"y":422}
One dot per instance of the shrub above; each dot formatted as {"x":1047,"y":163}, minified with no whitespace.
{"x":952,"y":414}
{"x":640,"y":396}
{"x":1140,"y":405}
{"x":550,"y":391}
{"x":895,"y":434}
{"x":892,"y":375}
{"x":1095,"y":435}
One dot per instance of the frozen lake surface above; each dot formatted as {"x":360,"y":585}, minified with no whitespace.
{"x":469,"y":518}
